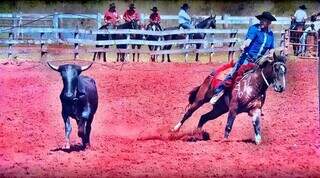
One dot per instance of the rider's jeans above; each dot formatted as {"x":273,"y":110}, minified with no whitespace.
{"x":244,"y":59}
{"x":186,"y":25}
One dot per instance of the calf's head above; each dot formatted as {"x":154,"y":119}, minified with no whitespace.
{"x":70,"y":75}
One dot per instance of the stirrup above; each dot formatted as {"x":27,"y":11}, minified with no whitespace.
{"x":216,"y":97}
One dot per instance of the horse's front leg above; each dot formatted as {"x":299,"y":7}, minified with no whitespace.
{"x":231,"y":117}
{"x":188,"y":114}
{"x":68,"y":129}
{"x":256,"y":125}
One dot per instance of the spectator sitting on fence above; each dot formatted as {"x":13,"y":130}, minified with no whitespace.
{"x":131,"y":14}
{"x":111,"y":17}
{"x":155,"y":18}
{"x":259,"y":40}
{"x":299,"y":18}
{"x":184,"y":17}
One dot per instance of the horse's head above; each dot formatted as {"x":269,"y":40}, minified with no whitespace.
{"x":274,"y":69}
{"x":209,"y":22}
{"x":212,"y":21}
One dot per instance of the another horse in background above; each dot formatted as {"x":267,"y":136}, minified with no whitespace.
{"x":153,"y":27}
{"x":102,"y":37}
{"x":207,"y":23}
{"x":247,"y":94}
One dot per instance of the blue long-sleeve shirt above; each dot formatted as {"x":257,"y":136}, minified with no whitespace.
{"x":261,"y":41}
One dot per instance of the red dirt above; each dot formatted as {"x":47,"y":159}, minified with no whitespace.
{"x":144,"y":101}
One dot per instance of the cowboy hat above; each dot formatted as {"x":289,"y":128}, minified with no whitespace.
{"x":185,"y":6}
{"x":303,"y":7}
{"x":112,"y":5}
{"x":266,"y":15}
{"x":131,"y":6}
{"x":154,"y":9}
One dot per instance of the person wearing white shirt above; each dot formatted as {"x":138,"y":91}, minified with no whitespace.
{"x":300,"y":14}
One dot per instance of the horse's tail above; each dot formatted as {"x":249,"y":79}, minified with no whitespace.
{"x":193,"y":94}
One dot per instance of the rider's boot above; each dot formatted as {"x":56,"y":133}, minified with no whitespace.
{"x":218,"y":92}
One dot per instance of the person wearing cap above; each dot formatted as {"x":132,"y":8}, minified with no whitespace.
{"x":154,"y":16}
{"x":184,"y":18}
{"x":131,"y":14}
{"x":300,"y":14}
{"x":259,"y":40}
{"x":111,"y":16}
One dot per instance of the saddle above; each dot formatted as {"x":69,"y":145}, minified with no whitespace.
{"x":222,"y":71}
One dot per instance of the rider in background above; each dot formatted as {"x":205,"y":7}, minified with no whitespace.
{"x":155,"y":18}
{"x":184,"y":17}
{"x":131,"y":14}
{"x":111,"y":17}
{"x":299,"y":17}
{"x":259,"y":40}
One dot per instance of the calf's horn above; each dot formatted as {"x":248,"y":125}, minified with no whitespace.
{"x":83,"y":68}
{"x":56,"y":68}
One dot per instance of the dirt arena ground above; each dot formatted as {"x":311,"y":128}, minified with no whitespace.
{"x":145,"y":100}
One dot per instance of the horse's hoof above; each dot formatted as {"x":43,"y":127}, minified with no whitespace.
{"x":66,"y":146}
{"x":177,"y":127}
{"x":257,"y":139}
{"x":226,"y":135}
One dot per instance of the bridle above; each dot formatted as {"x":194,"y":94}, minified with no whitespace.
{"x":273,"y":67}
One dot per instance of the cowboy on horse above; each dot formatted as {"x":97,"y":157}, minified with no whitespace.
{"x":111,"y":16}
{"x":131,"y":14}
{"x":155,"y":18}
{"x":184,"y":17}
{"x":258,"y":41}
{"x":299,"y":18}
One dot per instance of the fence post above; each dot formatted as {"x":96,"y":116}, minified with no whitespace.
{"x":55,"y":24}
{"x":186,"y":47}
{"x":250,"y":21}
{"x":282,"y":42}
{"x":225,"y":19}
{"x":76,"y":45}
{"x":232,"y":44}
{"x":42,"y":46}
{"x":127,"y":54}
{"x":14,"y":23}
{"x":99,"y":20}
{"x":11,"y":37}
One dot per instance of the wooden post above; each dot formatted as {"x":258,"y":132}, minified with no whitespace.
{"x":11,"y":37}
{"x":99,"y":20}
{"x":282,"y":42}
{"x":186,"y":47}
{"x":55,"y":24}
{"x":225,"y":19}
{"x":76,"y":46}
{"x":231,"y":44}
{"x":211,"y":46}
{"x":42,"y":46}
{"x":127,"y":54}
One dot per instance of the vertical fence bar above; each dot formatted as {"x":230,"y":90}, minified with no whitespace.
{"x":231,"y":44}
{"x":76,"y":46}
{"x":42,"y":46}
{"x":55,"y":23}
{"x":11,"y":37}
{"x":126,"y":55}
{"x":186,"y":47}
{"x":99,"y":20}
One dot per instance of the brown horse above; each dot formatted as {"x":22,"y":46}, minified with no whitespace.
{"x":247,"y":95}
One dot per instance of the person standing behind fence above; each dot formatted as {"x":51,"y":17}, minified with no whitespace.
{"x":155,"y":18}
{"x":131,"y":14}
{"x":299,"y":17}
{"x":184,"y":18}
{"x":111,"y":17}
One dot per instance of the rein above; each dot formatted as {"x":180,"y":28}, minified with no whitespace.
{"x":264,"y":78}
